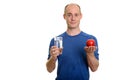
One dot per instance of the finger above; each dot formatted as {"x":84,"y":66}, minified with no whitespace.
{"x":52,"y":52}
{"x":53,"y":48}
{"x":92,"y":48}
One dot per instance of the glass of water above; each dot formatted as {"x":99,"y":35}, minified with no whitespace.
{"x":58,"y":41}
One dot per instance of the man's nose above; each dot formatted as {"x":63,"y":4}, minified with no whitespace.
{"x":73,"y":18}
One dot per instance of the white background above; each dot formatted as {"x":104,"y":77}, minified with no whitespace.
{"x":27,"y":26}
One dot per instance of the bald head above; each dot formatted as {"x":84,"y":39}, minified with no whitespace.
{"x":71,"y":5}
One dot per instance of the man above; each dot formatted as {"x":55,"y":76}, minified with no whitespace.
{"x":75,"y":58}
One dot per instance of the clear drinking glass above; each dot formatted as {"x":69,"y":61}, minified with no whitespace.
{"x":58,"y":41}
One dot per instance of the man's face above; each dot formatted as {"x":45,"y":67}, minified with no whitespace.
{"x":72,"y":16}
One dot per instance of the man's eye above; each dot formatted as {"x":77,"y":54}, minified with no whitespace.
{"x":76,"y":15}
{"x":69,"y":15}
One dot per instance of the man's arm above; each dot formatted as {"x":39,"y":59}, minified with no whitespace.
{"x":91,"y":59}
{"x":51,"y":64}
{"x":92,"y":62}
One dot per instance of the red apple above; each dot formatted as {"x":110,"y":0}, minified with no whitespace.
{"x":90,"y":42}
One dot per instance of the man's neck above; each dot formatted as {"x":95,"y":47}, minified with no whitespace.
{"x":73,"y":32}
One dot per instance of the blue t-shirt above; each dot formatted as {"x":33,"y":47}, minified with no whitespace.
{"x":72,"y":63}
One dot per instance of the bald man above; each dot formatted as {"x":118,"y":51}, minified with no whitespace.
{"x":75,"y":58}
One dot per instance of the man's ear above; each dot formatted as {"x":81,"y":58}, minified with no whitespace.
{"x":64,"y":16}
{"x":81,"y":16}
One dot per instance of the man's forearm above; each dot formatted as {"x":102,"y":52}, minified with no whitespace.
{"x":92,"y":62}
{"x":51,"y":63}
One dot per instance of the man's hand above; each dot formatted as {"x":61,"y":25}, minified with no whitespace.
{"x":90,"y":49}
{"x":55,"y":51}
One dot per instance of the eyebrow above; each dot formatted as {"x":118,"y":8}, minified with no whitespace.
{"x":69,"y":13}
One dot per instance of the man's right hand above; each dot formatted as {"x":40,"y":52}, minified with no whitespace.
{"x":55,"y":51}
